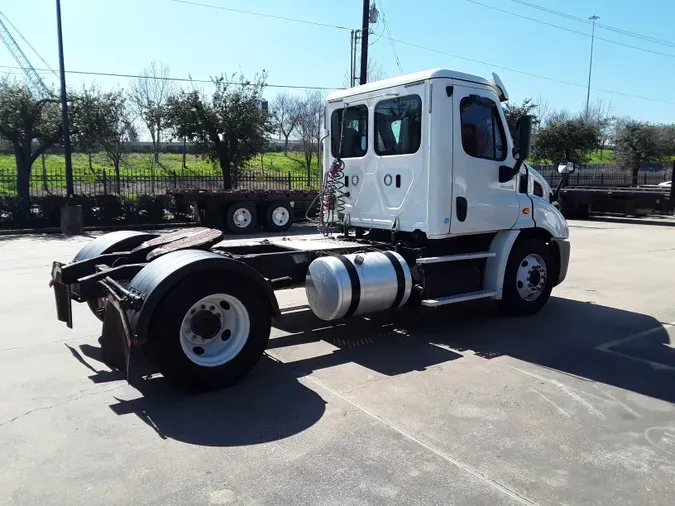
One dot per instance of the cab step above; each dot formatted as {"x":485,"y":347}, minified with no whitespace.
{"x":455,"y":258}
{"x":462,"y":297}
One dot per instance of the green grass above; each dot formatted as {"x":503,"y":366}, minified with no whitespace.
{"x":140,"y":165}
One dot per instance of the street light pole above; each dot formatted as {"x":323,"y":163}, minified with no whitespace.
{"x":590,"y":65}
{"x":70,"y":190}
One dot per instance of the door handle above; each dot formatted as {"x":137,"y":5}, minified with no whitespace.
{"x":461,"y":207}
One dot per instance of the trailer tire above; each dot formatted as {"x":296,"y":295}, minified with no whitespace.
{"x":278,"y":216}
{"x":241,"y":218}
{"x":221,"y":348}
{"x":121,"y":240}
{"x":528,"y":279}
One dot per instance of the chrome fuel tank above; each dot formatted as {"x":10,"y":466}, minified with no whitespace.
{"x":338,"y":286}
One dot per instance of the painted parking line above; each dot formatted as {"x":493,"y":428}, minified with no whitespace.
{"x":610,"y":346}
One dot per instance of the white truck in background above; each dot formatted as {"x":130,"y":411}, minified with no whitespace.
{"x":426,"y":201}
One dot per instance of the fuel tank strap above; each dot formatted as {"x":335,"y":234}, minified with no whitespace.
{"x":400,"y":278}
{"x":356,"y":285}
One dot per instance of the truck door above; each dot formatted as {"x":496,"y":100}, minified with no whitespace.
{"x":481,"y":144}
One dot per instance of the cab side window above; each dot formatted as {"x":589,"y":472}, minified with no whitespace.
{"x":349,"y":135}
{"x":482,"y":130}
{"x":538,"y":190}
{"x":398,"y":126}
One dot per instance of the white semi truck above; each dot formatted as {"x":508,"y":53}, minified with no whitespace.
{"x":426,"y":200}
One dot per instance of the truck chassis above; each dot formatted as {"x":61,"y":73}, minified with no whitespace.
{"x":179,"y":301}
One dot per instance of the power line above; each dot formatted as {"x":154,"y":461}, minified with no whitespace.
{"x":27,"y":43}
{"x":606,"y":27}
{"x":272,"y":16}
{"x":391,"y":42}
{"x":509,"y":69}
{"x":179,"y":79}
{"x":571,"y":30}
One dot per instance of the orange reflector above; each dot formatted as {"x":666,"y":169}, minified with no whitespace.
{"x":526,"y":210}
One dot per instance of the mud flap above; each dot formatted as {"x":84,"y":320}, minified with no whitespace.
{"x":116,"y":344}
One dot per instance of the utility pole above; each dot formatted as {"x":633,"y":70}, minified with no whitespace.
{"x":352,"y":58}
{"x":363,"y":76}
{"x":70,"y":190}
{"x":590,"y":65}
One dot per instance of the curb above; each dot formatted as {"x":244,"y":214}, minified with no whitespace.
{"x":103,"y":228}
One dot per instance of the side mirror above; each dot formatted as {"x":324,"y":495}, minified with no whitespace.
{"x":566,"y":168}
{"x":521,"y":149}
{"x":523,"y":138}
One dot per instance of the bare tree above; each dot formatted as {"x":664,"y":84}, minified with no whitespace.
{"x":601,"y":113}
{"x":375,"y":72}
{"x":149,"y":94}
{"x":286,"y":109}
{"x":309,"y":128}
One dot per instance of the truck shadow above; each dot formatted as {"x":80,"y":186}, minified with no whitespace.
{"x":268,"y":405}
{"x":628,"y":350}
{"x":612,"y":346}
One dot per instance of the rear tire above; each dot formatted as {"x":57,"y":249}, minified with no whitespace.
{"x":528,"y":279}
{"x":228,"y":342}
{"x":121,"y":240}
{"x":278,"y":216}
{"x":241,"y":218}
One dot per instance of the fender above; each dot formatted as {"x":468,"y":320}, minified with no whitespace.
{"x":121,"y":240}
{"x":495,"y":266}
{"x":161,"y":275}
{"x":548,"y":217}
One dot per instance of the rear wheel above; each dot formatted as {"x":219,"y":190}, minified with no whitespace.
{"x":278,"y":217}
{"x":122,"y":240}
{"x":241,"y":218}
{"x":528,"y":279}
{"x":209,"y":331}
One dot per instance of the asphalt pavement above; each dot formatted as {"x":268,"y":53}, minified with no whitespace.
{"x":450,"y":406}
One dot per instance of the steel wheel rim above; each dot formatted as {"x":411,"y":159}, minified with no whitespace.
{"x":242,"y":217}
{"x":280,"y":216}
{"x":228,"y":338}
{"x":531,"y":277}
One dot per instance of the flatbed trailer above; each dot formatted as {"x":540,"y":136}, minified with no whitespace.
{"x":579,"y":202}
{"x":245,"y":211}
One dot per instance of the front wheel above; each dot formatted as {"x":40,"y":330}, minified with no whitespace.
{"x":209,"y":331}
{"x":528,"y":279}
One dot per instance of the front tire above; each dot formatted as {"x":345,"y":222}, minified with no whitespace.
{"x":528,"y":279}
{"x":209,"y":331}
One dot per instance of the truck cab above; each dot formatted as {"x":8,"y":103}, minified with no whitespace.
{"x":430,"y":153}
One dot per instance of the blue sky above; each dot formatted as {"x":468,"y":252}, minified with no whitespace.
{"x":123,"y":36}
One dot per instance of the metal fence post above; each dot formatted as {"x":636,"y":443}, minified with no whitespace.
{"x":45,"y":187}
{"x":290,"y":183}
{"x":105,"y":184}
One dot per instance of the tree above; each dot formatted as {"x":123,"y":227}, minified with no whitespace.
{"x":637,"y":143}
{"x":32,"y":126}
{"x":513,"y":112}
{"x":149,"y":95}
{"x":309,"y":128}
{"x":230,"y":127}
{"x":375,"y":72}
{"x":286,"y":110}
{"x":566,"y":140}
{"x":600,"y":113}
{"x":104,"y":119}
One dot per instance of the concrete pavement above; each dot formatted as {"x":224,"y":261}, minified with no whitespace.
{"x":450,"y":406}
